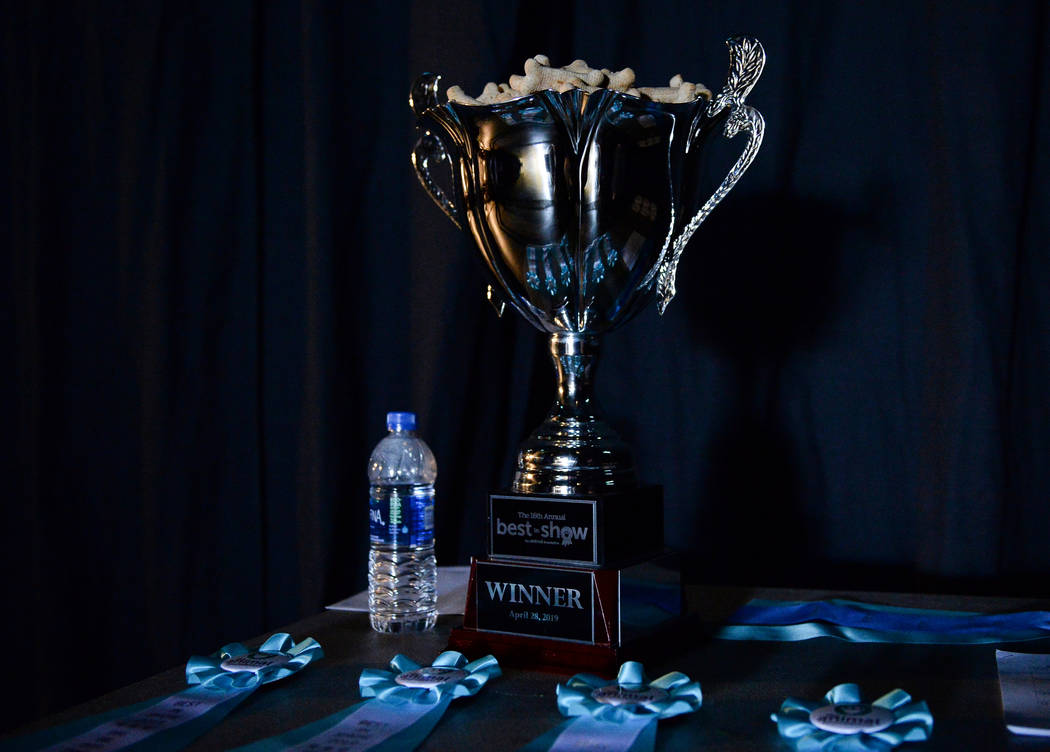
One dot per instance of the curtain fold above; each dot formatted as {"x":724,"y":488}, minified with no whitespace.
{"x":221,"y":273}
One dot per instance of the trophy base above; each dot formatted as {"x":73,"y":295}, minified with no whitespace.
{"x":567,"y":619}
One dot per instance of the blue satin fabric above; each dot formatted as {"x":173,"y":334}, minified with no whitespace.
{"x":645,"y":741}
{"x":406,"y":739}
{"x":913,"y":722}
{"x":683,"y":695}
{"x":791,"y":621}
{"x":208,"y":670}
{"x":380,"y":687}
{"x":381,"y":684}
{"x":204,"y":674}
{"x":574,"y":699}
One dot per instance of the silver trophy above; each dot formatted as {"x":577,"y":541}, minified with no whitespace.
{"x":581,"y":205}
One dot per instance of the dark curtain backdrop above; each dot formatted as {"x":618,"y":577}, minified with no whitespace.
{"x":220,"y":273}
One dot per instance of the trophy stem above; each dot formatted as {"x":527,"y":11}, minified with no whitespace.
{"x":575,"y":356}
{"x":574,"y":451}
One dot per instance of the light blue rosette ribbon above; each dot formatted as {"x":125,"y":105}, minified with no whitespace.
{"x":218,"y":684}
{"x":789,"y":621}
{"x":403,"y":707}
{"x":619,"y":716}
{"x":843,"y":723}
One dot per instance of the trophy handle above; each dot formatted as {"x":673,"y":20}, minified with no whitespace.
{"x":746,"y":60}
{"x":424,"y":96}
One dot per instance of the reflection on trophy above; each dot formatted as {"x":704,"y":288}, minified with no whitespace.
{"x":581,"y":203}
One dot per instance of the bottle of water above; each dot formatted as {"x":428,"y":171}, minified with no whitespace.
{"x":402,"y":570}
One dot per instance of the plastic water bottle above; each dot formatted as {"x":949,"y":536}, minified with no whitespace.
{"x":402,"y":570}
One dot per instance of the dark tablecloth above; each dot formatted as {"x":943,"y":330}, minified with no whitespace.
{"x":743,"y":682}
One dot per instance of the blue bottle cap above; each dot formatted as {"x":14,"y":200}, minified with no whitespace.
{"x":401,"y":421}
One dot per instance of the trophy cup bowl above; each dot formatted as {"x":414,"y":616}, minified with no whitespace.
{"x":581,"y":204}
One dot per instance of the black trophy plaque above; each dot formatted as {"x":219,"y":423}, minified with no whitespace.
{"x":599,"y":530}
{"x":556,"y":603}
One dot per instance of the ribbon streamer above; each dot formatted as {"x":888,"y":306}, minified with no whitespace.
{"x":891,"y":720}
{"x":790,"y":621}
{"x":219,"y":683}
{"x":618,"y":716}
{"x":404,"y":706}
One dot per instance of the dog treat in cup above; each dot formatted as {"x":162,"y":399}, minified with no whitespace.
{"x":540,"y":75}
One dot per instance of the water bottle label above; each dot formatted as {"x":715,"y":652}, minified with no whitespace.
{"x":405,"y":519}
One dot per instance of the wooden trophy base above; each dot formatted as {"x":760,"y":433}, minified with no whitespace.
{"x":567,"y":619}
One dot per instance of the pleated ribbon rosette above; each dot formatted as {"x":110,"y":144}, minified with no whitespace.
{"x":218,"y":684}
{"x":403,"y":707}
{"x":236,"y":667}
{"x":842,"y":722}
{"x":618,"y":716}
{"x":448,"y":677}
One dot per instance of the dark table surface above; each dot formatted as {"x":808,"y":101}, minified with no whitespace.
{"x":743,"y":682}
